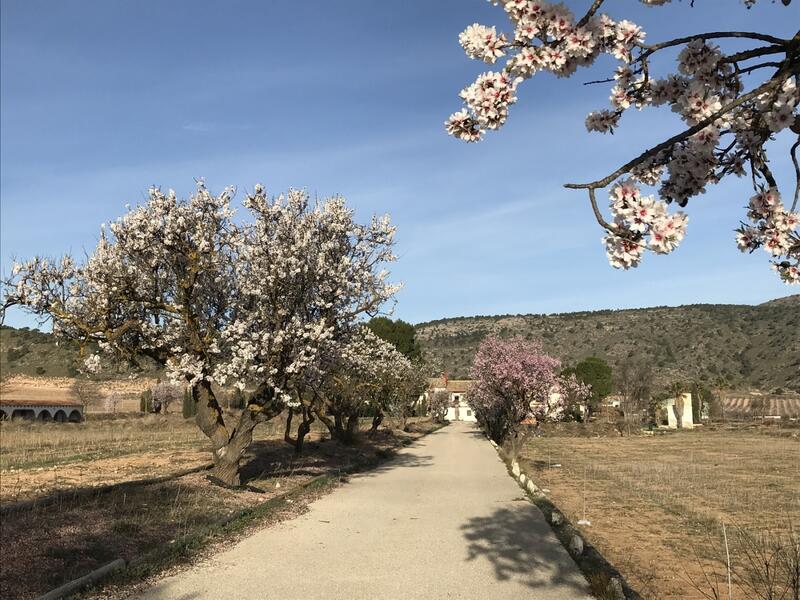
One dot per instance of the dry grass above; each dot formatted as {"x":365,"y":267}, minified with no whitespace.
{"x":26,"y":445}
{"x":36,"y":459}
{"x":46,"y":543}
{"x":656,"y":503}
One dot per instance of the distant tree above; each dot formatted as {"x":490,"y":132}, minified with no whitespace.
{"x":365,"y":376}
{"x":516,"y":384}
{"x":633,"y":381}
{"x":399,"y":333}
{"x":112,"y":402}
{"x":597,"y":374}
{"x":164,"y":394}
{"x":438,"y":405}
{"x":146,"y":401}
{"x":189,"y":406}
{"x":85,"y":392}
{"x":701,"y":397}
{"x":758,"y":406}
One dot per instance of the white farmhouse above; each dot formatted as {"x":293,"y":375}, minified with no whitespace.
{"x":458,"y":409}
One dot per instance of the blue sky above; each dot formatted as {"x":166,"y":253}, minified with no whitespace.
{"x":101,"y":99}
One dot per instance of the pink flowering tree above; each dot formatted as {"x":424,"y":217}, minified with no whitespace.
{"x":732,"y":104}
{"x":517,"y":385}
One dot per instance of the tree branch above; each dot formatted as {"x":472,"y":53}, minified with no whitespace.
{"x":600,"y":183}
{"x":648,"y":50}
{"x":589,"y":13}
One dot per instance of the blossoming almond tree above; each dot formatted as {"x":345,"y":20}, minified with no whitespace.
{"x":732,"y":105}
{"x":362,"y":373}
{"x":516,"y":384}
{"x":438,"y":404}
{"x":219,"y":302}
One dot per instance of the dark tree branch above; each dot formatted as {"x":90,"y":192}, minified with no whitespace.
{"x":589,"y":13}
{"x":601,"y":183}
{"x":648,"y":50}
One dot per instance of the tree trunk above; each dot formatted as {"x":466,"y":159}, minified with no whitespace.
{"x":228,"y":447}
{"x":352,"y":429}
{"x":338,"y":422}
{"x":326,"y":420}
{"x":303,"y":429}
{"x":287,"y":433}
{"x":376,"y":422}
{"x":517,"y":441}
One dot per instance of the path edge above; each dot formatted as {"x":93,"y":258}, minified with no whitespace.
{"x":604,"y":578}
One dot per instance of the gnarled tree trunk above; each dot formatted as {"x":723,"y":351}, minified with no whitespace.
{"x":376,"y":422}
{"x":352,"y":429}
{"x":228,"y":446}
{"x":303,"y":428}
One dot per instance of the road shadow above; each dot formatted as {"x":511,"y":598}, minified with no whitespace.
{"x":520,"y":546}
{"x":405,"y":460}
{"x":69,"y":532}
{"x":477,"y":433}
{"x":164,"y":590}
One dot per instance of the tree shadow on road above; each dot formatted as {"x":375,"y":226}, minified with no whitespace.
{"x":520,"y":546}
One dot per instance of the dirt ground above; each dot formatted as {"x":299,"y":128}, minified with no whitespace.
{"x":47,"y":543}
{"x":657,"y":503}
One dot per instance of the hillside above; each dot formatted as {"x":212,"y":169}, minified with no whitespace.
{"x":748,"y":346}
{"x":32,"y":352}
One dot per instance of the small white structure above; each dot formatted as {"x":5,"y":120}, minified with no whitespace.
{"x":458,"y":409}
{"x":679,"y":412}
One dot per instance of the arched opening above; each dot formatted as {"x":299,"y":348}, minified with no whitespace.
{"x":60,"y":416}
{"x":75,"y":416}
{"x":45,"y":415}
{"x":23,"y":413}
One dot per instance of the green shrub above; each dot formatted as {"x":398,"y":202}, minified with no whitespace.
{"x":146,"y":401}
{"x":189,"y":406}
{"x":16,"y":353}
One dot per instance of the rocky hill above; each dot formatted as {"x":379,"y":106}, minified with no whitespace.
{"x":746,"y":346}
{"x":31,"y":352}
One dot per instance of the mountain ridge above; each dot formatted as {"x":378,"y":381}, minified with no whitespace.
{"x":740,"y":345}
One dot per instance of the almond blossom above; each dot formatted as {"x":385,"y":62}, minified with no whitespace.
{"x":219,"y":301}
{"x":727,"y":130}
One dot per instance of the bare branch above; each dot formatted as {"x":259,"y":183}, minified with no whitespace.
{"x":589,"y":13}
{"x":715,"y":35}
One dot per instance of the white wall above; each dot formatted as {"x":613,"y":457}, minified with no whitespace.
{"x":464,"y":412}
{"x":686,"y":413}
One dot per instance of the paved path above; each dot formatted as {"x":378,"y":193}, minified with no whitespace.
{"x":442,"y":520}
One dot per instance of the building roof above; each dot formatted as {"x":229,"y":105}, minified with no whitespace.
{"x":458,"y":386}
{"x":18,"y":395}
{"x":28,"y":402}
